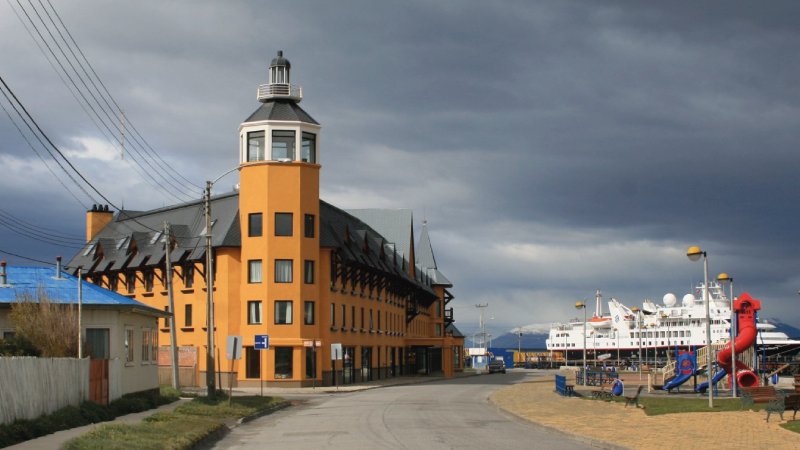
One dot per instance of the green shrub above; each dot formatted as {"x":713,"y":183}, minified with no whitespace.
{"x":94,"y":413}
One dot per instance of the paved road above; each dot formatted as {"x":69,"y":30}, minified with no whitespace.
{"x":451,"y":414}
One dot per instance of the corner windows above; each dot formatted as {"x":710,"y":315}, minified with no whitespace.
{"x":283,"y":270}
{"x":283,"y":224}
{"x":308,"y":312}
{"x":254,"y":225}
{"x":254,"y":312}
{"x":308,"y":225}
{"x":255,"y":146}
{"x":283,"y":312}
{"x":282,"y":145}
{"x":308,"y":272}
{"x":254,"y":271}
{"x":309,"y":151}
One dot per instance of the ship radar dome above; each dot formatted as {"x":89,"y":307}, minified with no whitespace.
{"x":688,"y":300}
{"x":670,"y":300}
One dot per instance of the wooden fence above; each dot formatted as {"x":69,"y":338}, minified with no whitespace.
{"x":31,"y":387}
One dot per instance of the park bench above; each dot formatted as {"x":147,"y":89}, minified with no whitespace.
{"x":567,"y":390}
{"x":634,"y":399}
{"x":784,"y":403}
{"x":758,"y":394}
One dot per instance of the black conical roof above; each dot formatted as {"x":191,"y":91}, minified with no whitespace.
{"x":281,"y":110}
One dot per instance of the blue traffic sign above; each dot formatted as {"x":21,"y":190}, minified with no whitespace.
{"x":262,"y":342}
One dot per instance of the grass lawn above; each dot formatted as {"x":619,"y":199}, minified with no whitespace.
{"x":793,"y":425}
{"x":183,"y":428}
{"x":654,"y":406}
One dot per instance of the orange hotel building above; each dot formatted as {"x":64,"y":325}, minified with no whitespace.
{"x":286,"y":264}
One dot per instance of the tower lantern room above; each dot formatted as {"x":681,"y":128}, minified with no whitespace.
{"x":279,"y":86}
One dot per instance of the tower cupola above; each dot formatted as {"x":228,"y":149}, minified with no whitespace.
{"x":279,"y":86}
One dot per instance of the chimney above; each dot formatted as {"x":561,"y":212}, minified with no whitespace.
{"x":96,"y":219}
{"x":3,"y":275}
{"x":58,"y":267}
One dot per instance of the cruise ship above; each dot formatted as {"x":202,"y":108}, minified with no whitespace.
{"x":656,"y":329}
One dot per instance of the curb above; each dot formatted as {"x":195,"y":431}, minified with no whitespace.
{"x":209,"y":440}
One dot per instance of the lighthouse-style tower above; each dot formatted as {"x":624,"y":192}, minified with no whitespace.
{"x":279,"y":216}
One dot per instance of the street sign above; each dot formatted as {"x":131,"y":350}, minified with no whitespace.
{"x":262,"y":342}
{"x":233,"y":349}
{"x":336,"y":351}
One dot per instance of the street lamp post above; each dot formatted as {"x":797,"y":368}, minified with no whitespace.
{"x":582,"y":305}
{"x":639,"y":326}
{"x":694,"y":253}
{"x":210,"y":325}
{"x":723,"y":277}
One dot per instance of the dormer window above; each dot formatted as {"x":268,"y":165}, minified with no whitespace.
{"x":282,"y":145}
{"x":255,"y":146}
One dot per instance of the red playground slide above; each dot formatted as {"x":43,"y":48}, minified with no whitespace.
{"x":745,"y":307}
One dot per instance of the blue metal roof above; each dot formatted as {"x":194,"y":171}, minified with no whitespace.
{"x":32,"y":280}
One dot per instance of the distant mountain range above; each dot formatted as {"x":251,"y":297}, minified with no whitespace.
{"x":534,"y":336}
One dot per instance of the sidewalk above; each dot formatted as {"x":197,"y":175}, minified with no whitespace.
{"x":59,"y":438}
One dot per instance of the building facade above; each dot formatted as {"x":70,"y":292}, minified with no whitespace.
{"x":343,"y":296}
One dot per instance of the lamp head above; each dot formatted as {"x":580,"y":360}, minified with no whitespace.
{"x":694,"y":253}
{"x":580,"y":305}
{"x":723,"y":277}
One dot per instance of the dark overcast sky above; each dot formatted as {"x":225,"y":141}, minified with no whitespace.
{"x":554,"y":147}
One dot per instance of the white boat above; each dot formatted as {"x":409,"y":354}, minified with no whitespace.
{"x":655,"y":329}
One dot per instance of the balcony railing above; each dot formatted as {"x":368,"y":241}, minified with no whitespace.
{"x":288,"y":91}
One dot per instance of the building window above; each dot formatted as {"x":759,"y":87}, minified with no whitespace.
{"x":129,"y":345}
{"x":353,"y":317}
{"x":254,"y":225}
{"x":97,"y":342}
{"x":130,"y":282}
{"x":252,"y":359}
{"x":308,"y":312}
{"x":283,"y":270}
{"x":371,"y":323}
{"x":188,"y":276}
{"x":308,"y":226}
{"x":283,"y":312}
{"x":153,"y":345}
{"x":310,"y":362}
{"x":187,"y":315}
{"x":254,"y":271}
{"x":362,"y":318}
{"x":333,"y":314}
{"x":148,"y":280}
{"x":344,"y":316}
{"x":308,"y":272}
{"x":254,"y":312}
{"x":283,"y":224}
{"x":255,"y":146}
{"x":283,"y":362}
{"x":166,"y":319}
{"x":309,"y":147}
{"x":282,"y":145}
{"x":146,"y":347}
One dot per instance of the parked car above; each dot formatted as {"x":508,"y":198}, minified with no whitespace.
{"x":497,"y":365}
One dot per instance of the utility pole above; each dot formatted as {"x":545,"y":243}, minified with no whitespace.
{"x":172,"y":331}
{"x":209,"y":297}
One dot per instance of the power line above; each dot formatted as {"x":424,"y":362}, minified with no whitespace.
{"x":27,"y":258}
{"x":147,"y":174}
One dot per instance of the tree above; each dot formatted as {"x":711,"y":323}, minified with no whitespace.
{"x":50,"y":327}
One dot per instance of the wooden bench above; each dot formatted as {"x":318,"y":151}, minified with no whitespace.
{"x":602,"y":394}
{"x":634,"y":399}
{"x":784,"y":403}
{"x":758,"y":394}
{"x":567,"y":390}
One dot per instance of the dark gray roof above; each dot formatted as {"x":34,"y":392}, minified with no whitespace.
{"x":135,"y":239}
{"x":451,"y":329}
{"x":426,"y":261}
{"x":396,"y":225}
{"x":281,"y":110}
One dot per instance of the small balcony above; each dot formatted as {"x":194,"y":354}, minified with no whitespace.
{"x":279,"y":91}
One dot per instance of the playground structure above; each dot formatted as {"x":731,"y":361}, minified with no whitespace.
{"x":686,"y":362}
